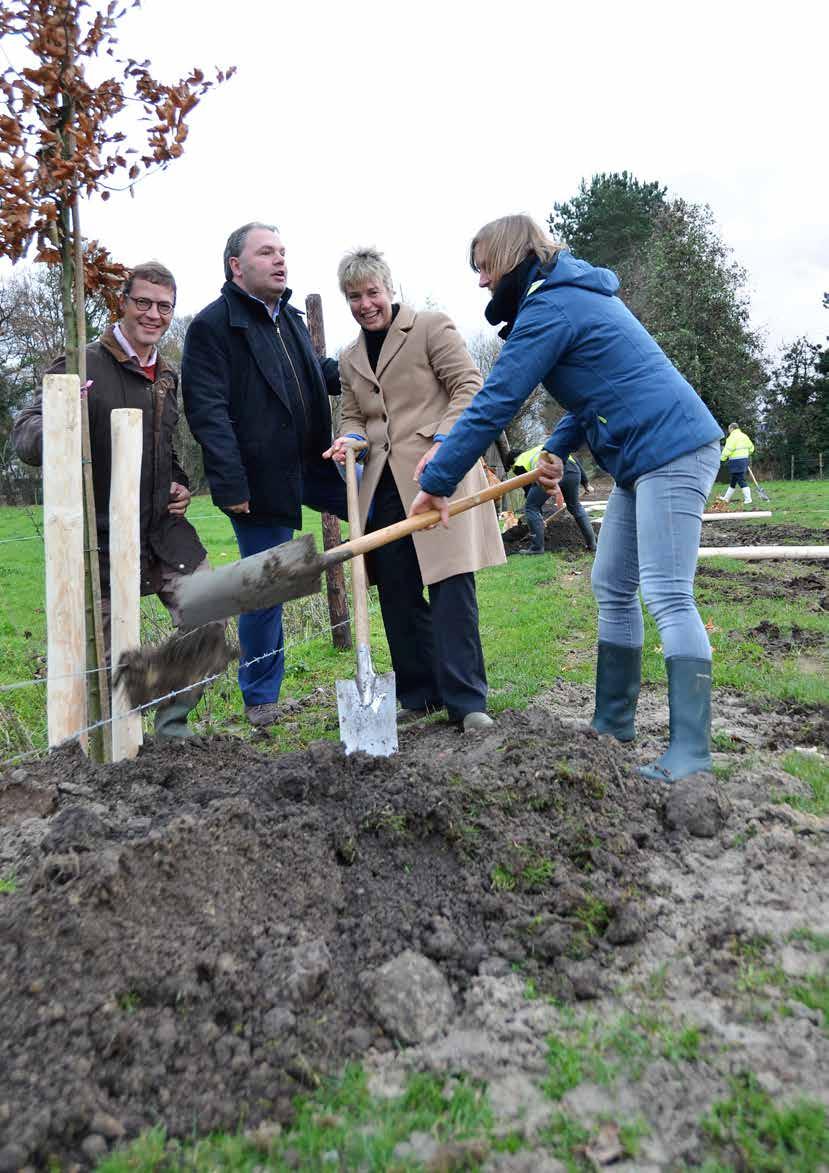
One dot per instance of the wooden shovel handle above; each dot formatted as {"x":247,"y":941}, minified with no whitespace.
{"x":359,"y":584}
{"x":412,"y":525}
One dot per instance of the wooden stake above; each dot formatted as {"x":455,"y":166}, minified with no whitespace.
{"x":125,"y":566}
{"x":331,"y":533}
{"x":97,"y":682}
{"x":63,"y":538}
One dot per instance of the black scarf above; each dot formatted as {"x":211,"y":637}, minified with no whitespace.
{"x":508,"y":294}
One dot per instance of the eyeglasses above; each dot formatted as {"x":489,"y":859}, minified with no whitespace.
{"x":165,"y":308}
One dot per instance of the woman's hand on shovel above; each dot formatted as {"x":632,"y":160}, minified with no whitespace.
{"x":423,"y":502}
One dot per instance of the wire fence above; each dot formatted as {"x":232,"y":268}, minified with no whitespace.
{"x":285,"y":646}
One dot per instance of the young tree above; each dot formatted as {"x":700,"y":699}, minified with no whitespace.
{"x":63,"y":136}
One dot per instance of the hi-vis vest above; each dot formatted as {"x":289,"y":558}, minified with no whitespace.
{"x":737,"y":446}
{"x":529,"y":459}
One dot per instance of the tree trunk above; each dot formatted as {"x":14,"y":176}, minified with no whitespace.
{"x":331,"y":535}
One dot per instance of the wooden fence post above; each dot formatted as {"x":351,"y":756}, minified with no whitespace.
{"x":331,"y":535}
{"x":125,"y":567}
{"x":63,"y":535}
{"x":791,"y":466}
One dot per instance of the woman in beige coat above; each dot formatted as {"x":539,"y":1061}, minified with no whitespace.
{"x":405,"y":380}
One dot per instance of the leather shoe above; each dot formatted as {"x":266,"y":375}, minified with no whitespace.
{"x":263,"y":715}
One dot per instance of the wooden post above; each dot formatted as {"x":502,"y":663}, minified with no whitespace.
{"x":791,"y":474}
{"x":331,"y":535}
{"x":125,"y":566}
{"x":63,"y":538}
{"x":97,"y":682}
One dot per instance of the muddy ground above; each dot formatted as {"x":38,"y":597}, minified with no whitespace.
{"x":561,"y":533}
{"x":194,"y":937}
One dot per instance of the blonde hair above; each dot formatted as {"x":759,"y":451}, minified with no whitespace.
{"x":361,"y":265}
{"x":505,"y":243}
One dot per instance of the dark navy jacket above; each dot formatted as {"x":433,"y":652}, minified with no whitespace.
{"x":256,"y":399}
{"x":624,"y":397}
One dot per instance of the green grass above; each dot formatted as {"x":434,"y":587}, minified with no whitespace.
{"x":751,"y":1132}
{"x":538,"y":624}
{"x":341,"y":1127}
{"x":8,"y":883}
{"x":814,"y":770}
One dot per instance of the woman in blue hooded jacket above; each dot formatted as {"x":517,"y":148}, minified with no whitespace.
{"x":645,"y":425}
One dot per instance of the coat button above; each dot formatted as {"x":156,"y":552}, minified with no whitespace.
{"x":386,"y":446}
{"x":385,"y":417}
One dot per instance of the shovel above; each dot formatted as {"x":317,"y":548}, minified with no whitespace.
{"x":367,"y":706}
{"x":289,"y":571}
{"x":760,"y":490}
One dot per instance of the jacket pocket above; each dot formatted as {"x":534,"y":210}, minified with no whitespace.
{"x":428,"y":430}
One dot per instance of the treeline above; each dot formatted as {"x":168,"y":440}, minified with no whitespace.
{"x":677,"y":275}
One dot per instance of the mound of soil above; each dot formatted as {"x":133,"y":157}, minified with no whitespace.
{"x":562,"y":534}
{"x":779,"y":643}
{"x":199,"y":934}
{"x":190,"y":937}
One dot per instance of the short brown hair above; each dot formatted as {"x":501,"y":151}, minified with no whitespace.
{"x":152,"y":271}
{"x":507,"y":241}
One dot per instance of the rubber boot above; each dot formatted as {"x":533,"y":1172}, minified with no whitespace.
{"x":587,"y":532}
{"x":746,"y":495}
{"x":689,"y":703}
{"x":535,"y":524}
{"x":727,"y":495}
{"x":171,"y":720}
{"x":618,"y":676}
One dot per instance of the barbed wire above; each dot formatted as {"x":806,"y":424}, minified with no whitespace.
{"x":284,"y":647}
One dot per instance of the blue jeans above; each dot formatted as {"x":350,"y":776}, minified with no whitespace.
{"x":260,"y":632}
{"x":649,"y":539}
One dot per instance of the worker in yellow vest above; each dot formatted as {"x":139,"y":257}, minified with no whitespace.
{"x":574,"y":477}
{"x":737,"y":450}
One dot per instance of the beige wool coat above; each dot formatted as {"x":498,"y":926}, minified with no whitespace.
{"x":425,"y":378}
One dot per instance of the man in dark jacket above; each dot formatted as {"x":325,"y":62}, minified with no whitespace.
{"x":125,"y":369}
{"x":256,"y":399}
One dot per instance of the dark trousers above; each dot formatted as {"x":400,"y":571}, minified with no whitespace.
{"x":260,"y":632}
{"x":536,"y":497}
{"x":435,"y":645}
{"x":737,"y":467}
{"x":570,"y":486}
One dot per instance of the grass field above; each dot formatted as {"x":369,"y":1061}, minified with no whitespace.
{"x":538,"y":623}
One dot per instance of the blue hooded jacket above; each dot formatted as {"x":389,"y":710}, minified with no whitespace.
{"x":623,"y":395}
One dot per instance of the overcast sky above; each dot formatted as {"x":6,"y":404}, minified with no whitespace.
{"x":409,"y":126}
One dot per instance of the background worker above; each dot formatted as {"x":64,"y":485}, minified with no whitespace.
{"x":736,"y":450}
{"x":405,"y":380}
{"x":646,"y":427}
{"x":126,"y":370}
{"x":574,"y":478}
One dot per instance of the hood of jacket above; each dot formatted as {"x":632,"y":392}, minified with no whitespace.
{"x":531,"y":275}
{"x":569,"y":270}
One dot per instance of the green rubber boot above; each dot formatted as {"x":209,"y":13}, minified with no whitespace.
{"x":618,"y":676}
{"x":171,"y":720}
{"x":689,"y":701}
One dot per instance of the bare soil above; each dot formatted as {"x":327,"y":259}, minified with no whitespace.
{"x":191,"y":934}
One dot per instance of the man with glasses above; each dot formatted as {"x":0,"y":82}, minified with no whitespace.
{"x":124,"y":369}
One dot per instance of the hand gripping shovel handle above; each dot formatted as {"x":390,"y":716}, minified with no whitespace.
{"x":412,"y":525}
